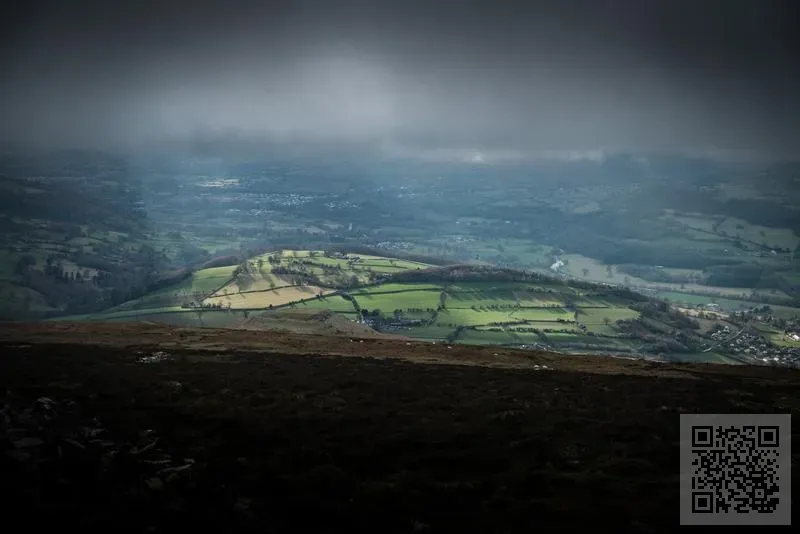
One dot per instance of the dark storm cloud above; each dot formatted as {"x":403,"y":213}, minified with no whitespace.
{"x":439,"y":79}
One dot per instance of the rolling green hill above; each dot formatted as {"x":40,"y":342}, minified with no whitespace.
{"x":456,"y":304}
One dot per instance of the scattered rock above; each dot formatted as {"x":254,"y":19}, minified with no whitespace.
{"x":155,"y":357}
{"x":137,"y":451}
{"x":165,"y":461}
{"x":73,"y":443}
{"x":171,"y":474}
{"x":45,"y":402}
{"x":178,"y":469}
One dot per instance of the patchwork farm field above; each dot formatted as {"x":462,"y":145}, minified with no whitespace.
{"x":541,"y":312}
{"x":269,"y":280}
{"x":467,"y":317}
{"x":272,"y":280}
{"x":495,"y":313}
{"x":389,"y":301}
{"x":254,"y":300}
{"x":726,"y":304}
{"x":594,"y":316}
{"x":262,"y":281}
{"x":334,"y":303}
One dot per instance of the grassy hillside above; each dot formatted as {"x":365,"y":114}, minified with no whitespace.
{"x":459,"y":304}
{"x":224,"y":296}
{"x":152,"y":428}
{"x":200,"y":283}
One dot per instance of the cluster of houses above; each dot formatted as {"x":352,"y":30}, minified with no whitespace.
{"x":221,"y":183}
{"x":341,"y":205}
{"x":394,"y":245}
{"x":287,"y":200}
{"x":751,"y":346}
{"x":557,"y":266}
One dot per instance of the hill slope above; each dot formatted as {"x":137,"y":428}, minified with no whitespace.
{"x":250,"y":431}
{"x":316,"y":322}
{"x":464,"y":304}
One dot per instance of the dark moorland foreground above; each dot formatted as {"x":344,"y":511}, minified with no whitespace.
{"x":148,"y":428}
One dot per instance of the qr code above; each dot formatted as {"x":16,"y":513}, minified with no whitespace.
{"x":735,"y":469}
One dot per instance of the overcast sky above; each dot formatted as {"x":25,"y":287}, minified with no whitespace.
{"x":435,"y":78}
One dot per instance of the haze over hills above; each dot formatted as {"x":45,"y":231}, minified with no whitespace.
{"x":460,"y":303}
{"x":390,"y":266}
{"x":701,"y":233}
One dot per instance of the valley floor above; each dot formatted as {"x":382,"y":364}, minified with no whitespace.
{"x":148,"y":428}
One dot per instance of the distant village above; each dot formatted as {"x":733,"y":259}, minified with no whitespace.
{"x":751,"y":346}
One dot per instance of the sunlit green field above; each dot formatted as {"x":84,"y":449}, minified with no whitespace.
{"x":387,"y":302}
{"x":334,"y":303}
{"x":468,"y":317}
{"x":595,"y":316}
{"x":475,"y":312}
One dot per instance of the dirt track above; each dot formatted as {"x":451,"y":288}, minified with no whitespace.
{"x":283,"y":440}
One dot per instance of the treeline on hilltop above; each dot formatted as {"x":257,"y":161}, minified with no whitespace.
{"x":485,"y":273}
{"x":470,"y":273}
{"x":326,"y":247}
{"x":372,"y":251}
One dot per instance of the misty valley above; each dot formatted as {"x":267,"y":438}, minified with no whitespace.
{"x":398,"y":266}
{"x":661,"y":257}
